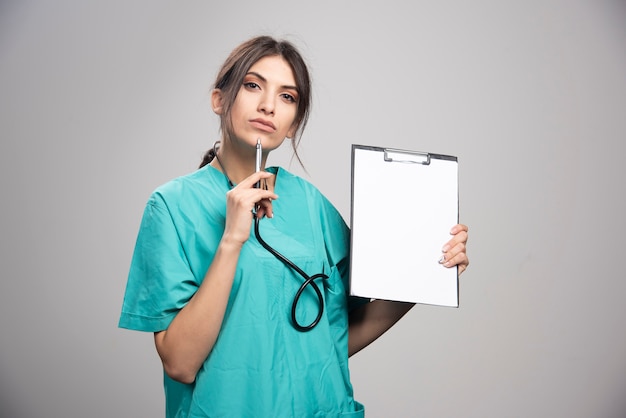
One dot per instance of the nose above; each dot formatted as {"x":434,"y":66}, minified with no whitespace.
{"x":267,"y":104}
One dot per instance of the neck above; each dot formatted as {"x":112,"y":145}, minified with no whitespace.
{"x":237,"y":163}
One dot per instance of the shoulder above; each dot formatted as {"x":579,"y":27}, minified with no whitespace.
{"x":314,"y":196}
{"x":294,"y":183}
{"x":188,"y":187}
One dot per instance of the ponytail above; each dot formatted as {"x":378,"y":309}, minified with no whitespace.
{"x":207,"y":157}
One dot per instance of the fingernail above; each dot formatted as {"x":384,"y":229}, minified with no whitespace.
{"x":445,"y":248}
{"x":442,"y":259}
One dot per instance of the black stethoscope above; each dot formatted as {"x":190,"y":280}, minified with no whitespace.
{"x":308,"y":280}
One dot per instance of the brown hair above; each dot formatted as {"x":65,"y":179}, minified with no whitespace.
{"x":231,"y":75}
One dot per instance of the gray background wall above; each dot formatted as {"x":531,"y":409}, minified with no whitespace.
{"x":100,"y":102}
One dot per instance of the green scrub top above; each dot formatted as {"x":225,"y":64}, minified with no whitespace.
{"x":260,"y":365}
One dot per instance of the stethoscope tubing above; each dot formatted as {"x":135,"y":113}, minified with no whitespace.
{"x":308,"y":281}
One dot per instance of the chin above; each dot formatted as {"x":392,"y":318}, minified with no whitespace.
{"x":268,"y":143}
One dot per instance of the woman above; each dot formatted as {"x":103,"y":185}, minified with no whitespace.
{"x":218,"y":301}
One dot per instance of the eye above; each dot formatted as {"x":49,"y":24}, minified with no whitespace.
{"x":289,"y":97}
{"x":251,"y":85}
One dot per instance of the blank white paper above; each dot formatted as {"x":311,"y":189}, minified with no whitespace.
{"x":402,"y":213}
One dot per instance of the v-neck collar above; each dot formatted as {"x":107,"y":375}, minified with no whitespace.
{"x":272,"y":169}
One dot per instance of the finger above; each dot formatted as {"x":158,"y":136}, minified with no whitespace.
{"x":458,"y":228}
{"x":248,"y":197}
{"x":460,"y":237}
{"x":252,"y":179}
{"x":265,"y":203}
{"x":452,"y":252}
{"x":264,"y":208}
{"x":459,"y":260}
{"x":462,"y":268}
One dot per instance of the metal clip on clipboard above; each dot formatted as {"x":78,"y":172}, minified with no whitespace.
{"x":402,"y":156}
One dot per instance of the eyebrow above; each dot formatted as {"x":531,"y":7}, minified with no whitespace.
{"x":265,"y":81}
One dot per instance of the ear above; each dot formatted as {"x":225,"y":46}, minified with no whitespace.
{"x":217,"y":101}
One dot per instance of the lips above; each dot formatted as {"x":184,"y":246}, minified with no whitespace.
{"x":264,"y":125}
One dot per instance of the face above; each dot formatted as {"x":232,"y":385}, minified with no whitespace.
{"x":266,"y":104}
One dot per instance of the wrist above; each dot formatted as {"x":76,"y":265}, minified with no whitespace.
{"x":229,"y":243}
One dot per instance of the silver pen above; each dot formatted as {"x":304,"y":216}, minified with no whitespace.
{"x":259,"y":156}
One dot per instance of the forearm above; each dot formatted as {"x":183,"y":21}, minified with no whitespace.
{"x":190,"y":337}
{"x":370,"y":321}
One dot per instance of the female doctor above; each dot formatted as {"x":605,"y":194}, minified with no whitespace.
{"x":240,"y":331}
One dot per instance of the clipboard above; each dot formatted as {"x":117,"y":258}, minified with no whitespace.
{"x":403,"y":206}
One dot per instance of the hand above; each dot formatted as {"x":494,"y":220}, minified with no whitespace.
{"x":240,"y":202}
{"x":454,"y":253}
